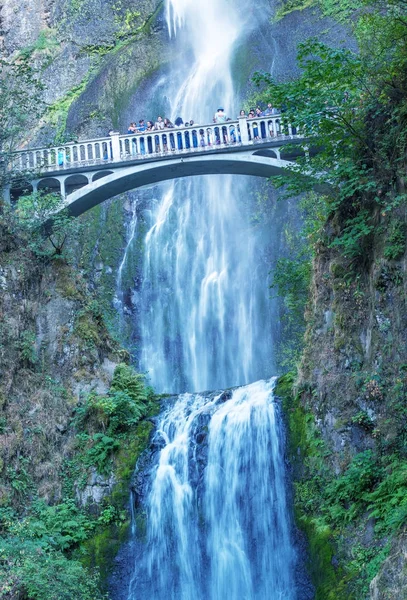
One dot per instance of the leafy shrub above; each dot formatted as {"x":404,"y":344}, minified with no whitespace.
{"x":33,"y":210}
{"x":396,"y":242}
{"x":57,"y":527}
{"x":388,"y":501}
{"x":345,"y":497}
{"x":28,"y":570}
{"x":26,"y":346}
{"x":102,"y":420}
{"x":363,"y":420}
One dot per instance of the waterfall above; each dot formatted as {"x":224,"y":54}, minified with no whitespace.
{"x":204,"y":314}
{"x":213,"y":521}
{"x":218,"y":525}
{"x":119,"y":301}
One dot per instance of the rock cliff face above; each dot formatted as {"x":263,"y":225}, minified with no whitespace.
{"x":89,"y":49}
{"x":53,"y":348}
{"x":349,"y":450}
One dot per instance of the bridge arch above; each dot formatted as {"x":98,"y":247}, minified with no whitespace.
{"x":150,"y":172}
{"x":75,"y":182}
{"x":101,"y":174}
{"x":52,"y":184}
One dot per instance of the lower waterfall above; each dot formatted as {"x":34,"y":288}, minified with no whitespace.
{"x":217,"y":521}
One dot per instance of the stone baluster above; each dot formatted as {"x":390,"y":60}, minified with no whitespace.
{"x":274,"y":127}
{"x":115,"y":146}
{"x":244,"y":134}
{"x":158,"y":142}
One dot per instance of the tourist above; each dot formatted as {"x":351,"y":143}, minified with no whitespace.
{"x":270,"y":110}
{"x":169,"y":125}
{"x":255,"y":127}
{"x":150,"y":127}
{"x":133,"y":129}
{"x":242,"y":113}
{"x":179,"y":123}
{"x":202,"y":142}
{"x":259,"y":114}
{"x":220,"y":116}
{"x":141,"y":129}
{"x":186,"y":136}
{"x":159,"y":124}
{"x":194,"y":135}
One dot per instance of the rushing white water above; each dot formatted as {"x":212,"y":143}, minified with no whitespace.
{"x":204,"y":308}
{"x":217,"y":516}
{"x":217,"y":521}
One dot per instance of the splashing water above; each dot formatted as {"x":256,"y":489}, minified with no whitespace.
{"x":227,"y":536}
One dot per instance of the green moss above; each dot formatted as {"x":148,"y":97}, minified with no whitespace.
{"x":58,"y":112}
{"x":307,"y":453}
{"x":328,"y":582}
{"x":87,"y":330}
{"x":289,"y":6}
{"x":46,"y":41}
{"x":101,"y":549}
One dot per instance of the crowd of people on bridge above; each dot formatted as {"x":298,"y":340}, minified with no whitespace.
{"x":198,"y":137}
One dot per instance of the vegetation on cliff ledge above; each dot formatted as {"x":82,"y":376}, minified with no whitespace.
{"x":346,"y":404}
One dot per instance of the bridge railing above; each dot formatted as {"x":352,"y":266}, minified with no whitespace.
{"x":120,"y":148}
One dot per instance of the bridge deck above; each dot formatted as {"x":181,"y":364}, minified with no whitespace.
{"x":151,"y":145}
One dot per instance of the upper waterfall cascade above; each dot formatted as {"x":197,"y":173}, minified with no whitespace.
{"x":200,"y":328}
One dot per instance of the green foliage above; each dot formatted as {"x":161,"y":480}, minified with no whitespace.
{"x":103,"y":420}
{"x":363,"y":420}
{"x":39,"y":550}
{"x":291,"y":280}
{"x":387,"y":503}
{"x":21,"y":103}
{"x":292,"y":276}
{"x":27,"y":349}
{"x":395,"y":245}
{"x":38,"y":208}
{"x":57,"y":527}
{"x":354,"y":238}
{"x":46,"y":41}
{"x":345,"y":496}
{"x":329,"y":506}
{"x":351,"y":106}
{"x":29,"y":570}
{"x":126,"y":380}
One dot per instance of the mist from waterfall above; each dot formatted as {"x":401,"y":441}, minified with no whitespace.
{"x":204,"y":313}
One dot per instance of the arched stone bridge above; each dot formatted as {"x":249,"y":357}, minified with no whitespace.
{"x":89,"y":172}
